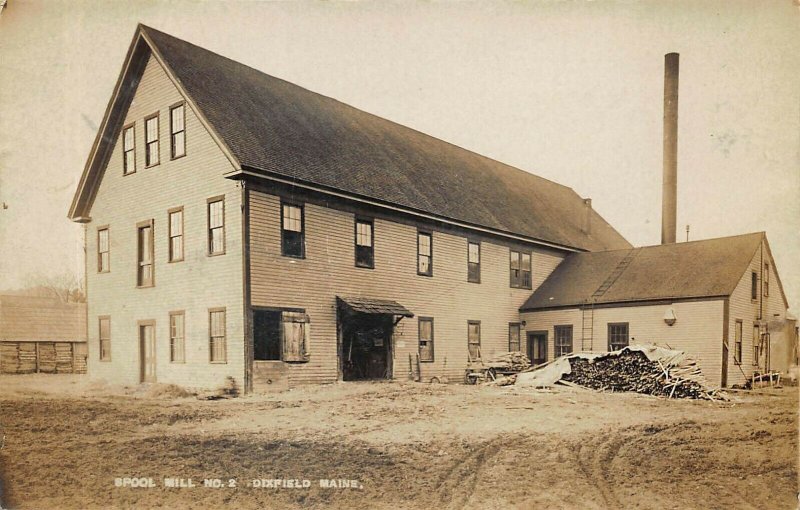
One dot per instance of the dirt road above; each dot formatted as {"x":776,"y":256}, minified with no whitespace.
{"x":407,"y":445}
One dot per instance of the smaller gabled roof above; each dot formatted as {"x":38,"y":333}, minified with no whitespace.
{"x":696,"y":269}
{"x":34,"y":318}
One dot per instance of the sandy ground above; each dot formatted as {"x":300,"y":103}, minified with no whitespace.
{"x":409,"y":445}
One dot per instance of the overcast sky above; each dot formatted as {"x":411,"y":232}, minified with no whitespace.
{"x":571,"y":91}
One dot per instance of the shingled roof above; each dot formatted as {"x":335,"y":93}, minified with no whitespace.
{"x":695,"y":269}
{"x":277,"y":129}
{"x":33,"y":318}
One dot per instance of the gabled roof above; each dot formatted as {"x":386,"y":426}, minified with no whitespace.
{"x":696,"y":269}
{"x":33,"y":318}
{"x":276,"y":129}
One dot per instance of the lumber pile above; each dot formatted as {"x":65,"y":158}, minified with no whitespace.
{"x":631,"y":370}
{"x":509,"y":361}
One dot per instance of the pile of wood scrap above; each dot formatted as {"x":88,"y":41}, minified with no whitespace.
{"x":509,"y":361}
{"x":650,"y":370}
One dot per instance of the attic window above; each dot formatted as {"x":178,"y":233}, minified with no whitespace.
{"x":177,"y":131}
{"x":766,"y":280}
{"x":151,"y":140}
{"x":753,"y":286}
{"x":128,"y":150}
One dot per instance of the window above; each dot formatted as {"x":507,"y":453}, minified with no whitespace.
{"x":105,"y":338}
{"x":216,"y":332}
{"x":144,"y":275}
{"x":177,"y":346}
{"x":292,"y":229}
{"x":177,"y":131}
{"x":176,"y":234}
{"x":756,"y":344}
{"x":128,"y":150}
{"x":766,"y":280}
{"x":617,"y":336}
{"x":216,"y":226}
{"x":520,"y":270}
{"x":103,"y":256}
{"x":280,"y":335}
{"x":737,"y":343}
{"x":513,"y":337}
{"x":424,"y":254}
{"x":151,"y":141}
{"x":474,"y":340}
{"x":473,"y":262}
{"x":365,"y":249}
{"x":563,"y":340}
{"x":753,"y":285}
{"x":425,"y":339}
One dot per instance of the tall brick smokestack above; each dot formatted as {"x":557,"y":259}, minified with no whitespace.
{"x":669,"y":200}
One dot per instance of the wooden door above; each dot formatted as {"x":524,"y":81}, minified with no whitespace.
{"x":147,"y":345}
{"x":537,"y":347}
{"x":724,"y":380}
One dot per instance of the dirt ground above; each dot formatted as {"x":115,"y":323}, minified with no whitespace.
{"x":408,"y":445}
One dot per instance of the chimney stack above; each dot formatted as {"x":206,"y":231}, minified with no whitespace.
{"x":669,"y":207}
{"x":587,"y":220}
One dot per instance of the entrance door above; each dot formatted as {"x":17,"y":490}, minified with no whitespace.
{"x":366,"y":347}
{"x":147,"y":350}
{"x":537,"y":347}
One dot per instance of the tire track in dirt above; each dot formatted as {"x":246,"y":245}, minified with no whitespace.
{"x":594,"y":458}
{"x":458,"y":483}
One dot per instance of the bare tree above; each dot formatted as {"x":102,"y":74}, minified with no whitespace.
{"x":66,"y":286}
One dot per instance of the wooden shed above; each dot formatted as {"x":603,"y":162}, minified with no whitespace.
{"x":41,"y":334}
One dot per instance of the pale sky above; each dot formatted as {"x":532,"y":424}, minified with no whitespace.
{"x":571,"y":91}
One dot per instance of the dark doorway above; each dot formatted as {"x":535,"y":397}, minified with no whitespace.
{"x":267,"y":335}
{"x":537,"y":347}
{"x":366,"y":346}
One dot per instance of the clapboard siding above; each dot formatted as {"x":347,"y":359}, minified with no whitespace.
{"x":328,"y":271}
{"x":749,"y":311}
{"x":698,"y":330}
{"x":198,"y":283}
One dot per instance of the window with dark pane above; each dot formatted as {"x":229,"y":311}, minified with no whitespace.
{"x":474,"y":340}
{"x":365,"y":249}
{"x":216,"y":227}
{"x":292,"y":223}
{"x":563,"y":340}
{"x":617,"y":336}
{"x":128,"y":151}
{"x":151,"y":151}
{"x":473,"y":262}
{"x":513,"y":337}
{"x":177,"y":131}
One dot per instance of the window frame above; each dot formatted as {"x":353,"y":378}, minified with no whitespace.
{"x":211,"y":312}
{"x":132,"y":128}
{"x":754,"y":286}
{"x":301,"y":206}
{"x":518,"y":326}
{"x":558,"y":344}
{"x":627,"y":334}
{"x":476,"y":279}
{"x":765,"y":280}
{"x":170,"y":254}
{"x":519,"y":281}
{"x":428,"y":233}
{"x":371,"y":223}
{"x":756,"y":344}
{"x":107,"y":230}
{"x":209,"y":232}
{"x":480,"y":354}
{"x":738,"y":333}
{"x":147,"y":159}
{"x":172,"y":338}
{"x":139,"y":251}
{"x":179,"y":104}
{"x":101,"y":351}
{"x":420,"y":320}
